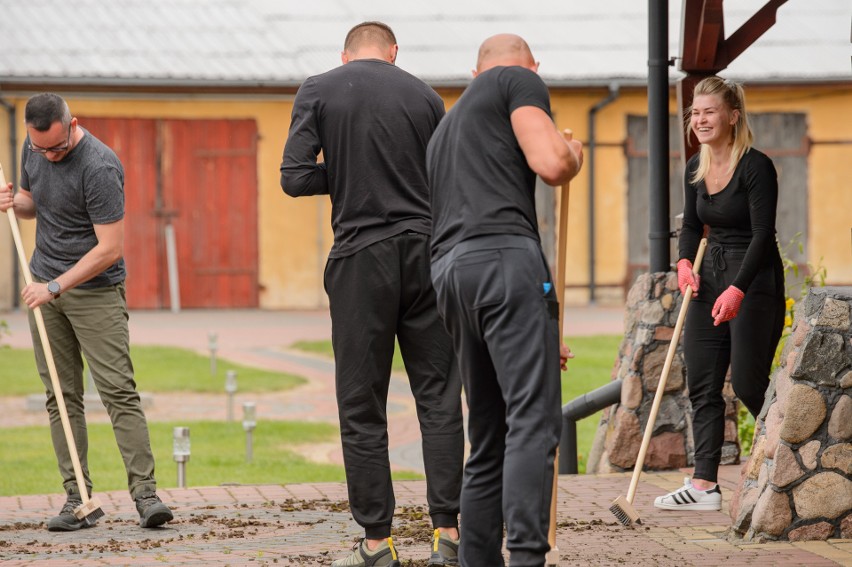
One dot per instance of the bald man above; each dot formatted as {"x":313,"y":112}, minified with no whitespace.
{"x":372,"y":121}
{"x":496,"y":296}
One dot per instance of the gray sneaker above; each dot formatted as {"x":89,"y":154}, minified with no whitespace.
{"x":152,"y":511}
{"x":383,"y":556}
{"x":66,"y":521}
{"x":445,"y":550}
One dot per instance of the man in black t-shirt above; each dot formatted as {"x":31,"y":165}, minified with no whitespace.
{"x":372,"y":121}
{"x":497,"y":298}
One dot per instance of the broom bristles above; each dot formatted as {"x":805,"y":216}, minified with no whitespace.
{"x":624,"y":511}
{"x":90,"y":511}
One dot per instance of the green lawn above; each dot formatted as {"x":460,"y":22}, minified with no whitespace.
{"x":158,"y":369}
{"x":590,"y":369}
{"x":28,"y":465}
{"x":218,"y":449}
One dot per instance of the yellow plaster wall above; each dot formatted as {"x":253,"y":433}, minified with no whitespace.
{"x":290,"y":230}
{"x":571,"y":109}
{"x":829,"y":166}
{"x":7,"y":257}
{"x":295,"y":235}
{"x":829,"y":119}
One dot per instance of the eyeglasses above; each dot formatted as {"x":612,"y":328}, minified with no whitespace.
{"x":54,"y":149}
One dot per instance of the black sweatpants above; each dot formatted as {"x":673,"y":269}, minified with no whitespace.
{"x":747,"y":343}
{"x":378,"y":293}
{"x":504,"y":322}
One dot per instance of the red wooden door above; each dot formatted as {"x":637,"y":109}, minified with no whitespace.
{"x":200,"y":175}
{"x":210,"y":179}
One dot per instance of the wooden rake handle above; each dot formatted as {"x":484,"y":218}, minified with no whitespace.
{"x":552,"y":557}
{"x":661,"y":386}
{"x":48,"y":354}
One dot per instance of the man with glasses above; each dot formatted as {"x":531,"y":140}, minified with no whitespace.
{"x":73,"y":185}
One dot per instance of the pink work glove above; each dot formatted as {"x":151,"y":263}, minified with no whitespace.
{"x":727,"y":305}
{"x":685,"y":276}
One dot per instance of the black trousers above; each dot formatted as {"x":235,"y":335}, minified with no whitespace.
{"x":381,"y":292}
{"x":746,"y":343}
{"x":493,"y":298}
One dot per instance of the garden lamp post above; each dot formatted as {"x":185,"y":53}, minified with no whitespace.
{"x":231,"y":389}
{"x":249,"y":423}
{"x":213,"y":345}
{"x":180,"y":452}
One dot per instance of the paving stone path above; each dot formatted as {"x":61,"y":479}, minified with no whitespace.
{"x":309,"y":524}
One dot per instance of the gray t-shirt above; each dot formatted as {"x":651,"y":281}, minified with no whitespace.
{"x":83,"y":189}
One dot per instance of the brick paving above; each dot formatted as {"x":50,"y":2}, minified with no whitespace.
{"x":309,"y":524}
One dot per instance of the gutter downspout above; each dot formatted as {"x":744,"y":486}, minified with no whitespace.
{"x":613,"y":94}
{"x":658,"y":136}
{"x":13,"y":174}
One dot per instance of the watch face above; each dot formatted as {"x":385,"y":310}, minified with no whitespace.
{"x":53,"y":287}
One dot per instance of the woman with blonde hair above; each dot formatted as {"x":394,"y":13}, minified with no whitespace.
{"x":737,"y":313}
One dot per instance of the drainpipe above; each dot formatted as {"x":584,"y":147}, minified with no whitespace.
{"x":577,"y":409}
{"x":658,"y":135}
{"x":13,"y":179}
{"x":613,"y":94}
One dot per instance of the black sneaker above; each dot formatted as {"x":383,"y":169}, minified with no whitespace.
{"x":445,"y":550}
{"x":152,"y":511}
{"x":66,"y":521}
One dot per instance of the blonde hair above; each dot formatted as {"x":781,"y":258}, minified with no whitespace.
{"x":733,"y":97}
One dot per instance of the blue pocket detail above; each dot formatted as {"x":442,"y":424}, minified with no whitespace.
{"x":547,"y":287}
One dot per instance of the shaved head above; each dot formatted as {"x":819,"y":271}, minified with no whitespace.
{"x":370,"y":40}
{"x":374,"y":34}
{"x":505,"y":49}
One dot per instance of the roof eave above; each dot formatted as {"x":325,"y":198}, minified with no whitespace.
{"x":290,"y":86}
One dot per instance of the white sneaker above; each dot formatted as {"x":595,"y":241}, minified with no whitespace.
{"x":690,"y":498}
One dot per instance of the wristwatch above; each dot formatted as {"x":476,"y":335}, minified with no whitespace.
{"x":54,"y":288}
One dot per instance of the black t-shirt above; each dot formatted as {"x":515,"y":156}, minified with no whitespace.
{"x":479,"y":179}
{"x":372,"y":121}
{"x":741,"y":215}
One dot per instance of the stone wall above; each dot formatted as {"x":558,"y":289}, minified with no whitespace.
{"x":797,"y":484}
{"x":652,"y":308}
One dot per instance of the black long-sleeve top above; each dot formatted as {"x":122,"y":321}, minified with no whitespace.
{"x":372,"y":121}
{"x":741,"y":215}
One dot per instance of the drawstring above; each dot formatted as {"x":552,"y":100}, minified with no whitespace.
{"x":717,"y":259}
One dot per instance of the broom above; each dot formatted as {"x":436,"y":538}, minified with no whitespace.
{"x":552,"y":556}
{"x":622,"y":507}
{"x":90,"y":510}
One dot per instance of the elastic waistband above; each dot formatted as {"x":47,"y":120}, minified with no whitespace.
{"x":492,"y":241}
{"x":487,"y":242}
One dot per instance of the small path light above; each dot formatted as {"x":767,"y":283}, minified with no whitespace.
{"x":231,"y":389}
{"x":180,"y":451}
{"x":213,"y":345}
{"x":249,"y":423}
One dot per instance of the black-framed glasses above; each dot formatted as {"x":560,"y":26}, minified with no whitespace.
{"x":54,"y":149}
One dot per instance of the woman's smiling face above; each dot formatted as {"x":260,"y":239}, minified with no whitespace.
{"x":711,"y":120}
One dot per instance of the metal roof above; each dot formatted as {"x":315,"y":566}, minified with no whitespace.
{"x":270,"y":43}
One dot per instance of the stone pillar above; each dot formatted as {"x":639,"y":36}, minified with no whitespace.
{"x":797,"y":484}
{"x":652,"y":308}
